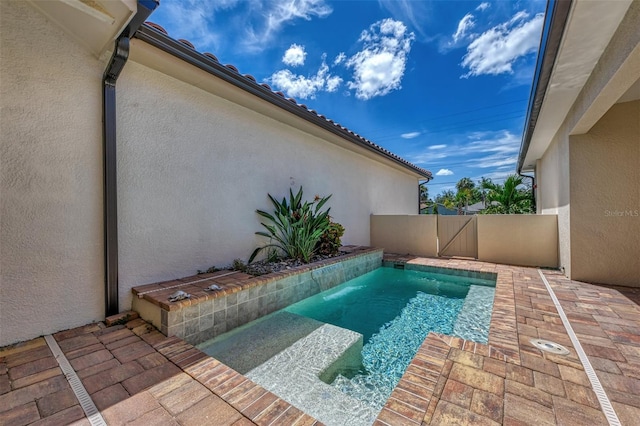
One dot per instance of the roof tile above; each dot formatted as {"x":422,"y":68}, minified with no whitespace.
{"x":187,"y":42}
{"x":211,"y":56}
{"x":157,"y":27}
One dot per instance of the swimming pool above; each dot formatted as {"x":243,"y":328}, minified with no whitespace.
{"x":392,"y":309}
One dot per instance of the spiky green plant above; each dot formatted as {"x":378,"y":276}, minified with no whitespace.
{"x":295,"y":227}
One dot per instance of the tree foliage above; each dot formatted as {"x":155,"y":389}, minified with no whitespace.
{"x":512,"y":197}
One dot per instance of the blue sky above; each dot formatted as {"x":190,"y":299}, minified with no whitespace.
{"x":443,"y":84}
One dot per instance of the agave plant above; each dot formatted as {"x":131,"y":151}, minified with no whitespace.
{"x":295,"y":227}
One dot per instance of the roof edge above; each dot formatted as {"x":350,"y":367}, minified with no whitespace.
{"x":556,"y":18}
{"x":155,"y":36}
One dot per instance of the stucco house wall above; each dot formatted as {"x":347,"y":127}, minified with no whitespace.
{"x":605,"y":201}
{"x":51,"y":240}
{"x":553,"y":194}
{"x":193,"y":167}
{"x":588,"y":175}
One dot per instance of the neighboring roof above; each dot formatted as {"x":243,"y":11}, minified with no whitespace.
{"x":158,"y":37}
{"x":476,"y":207}
{"x":575,"y":36}
{"x":442,"y":210}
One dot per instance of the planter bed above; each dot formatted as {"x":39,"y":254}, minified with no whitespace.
{"x":243,"y":298}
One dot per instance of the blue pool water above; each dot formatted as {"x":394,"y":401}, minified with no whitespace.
{"x":395,"y":310}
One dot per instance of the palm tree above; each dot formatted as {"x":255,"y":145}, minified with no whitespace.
{"x":465,"y":188}
{"x":507,"y":198}
{"x":482,"y":183}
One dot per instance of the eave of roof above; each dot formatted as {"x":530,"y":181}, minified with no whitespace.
{"x":576,"y":35}
{"x":550,"y":40}
{"x":158,"y":37}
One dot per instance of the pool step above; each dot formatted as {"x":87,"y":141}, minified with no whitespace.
{"x":250,"y":345}
{"x":475,"y":316}
{"x":294,"y":375}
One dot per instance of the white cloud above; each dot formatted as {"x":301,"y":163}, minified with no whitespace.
{"x":483,"y":6}
{"x":191,"y":20}
{"x":244,"y":25}
{"x":437,"y":146}
{"x":378,"y":68}
{"x":495,"y":50}
{"x":465,"y":24}
{"x":499,"y":149}
{"x":294,"y":55}
{"x":410,"y":135}
{"x":286,"y":11}
{"x":332,"y":83}
{"x":266,"y":19}
{"x":418,"y":15}
{"x":444,"y":172}
{"x":303,"y":87}
{"x":340,"y":58}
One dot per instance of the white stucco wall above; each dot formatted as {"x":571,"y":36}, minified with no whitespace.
{"x":51,"y":243}
{"x":605,"y":199}
{"x":193,"y":168}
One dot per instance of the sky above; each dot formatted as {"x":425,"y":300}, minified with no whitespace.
{"x":443,"y":84}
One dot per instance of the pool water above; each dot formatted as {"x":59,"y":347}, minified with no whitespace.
{"x":368,"y":302}
{"x":394,"y":310}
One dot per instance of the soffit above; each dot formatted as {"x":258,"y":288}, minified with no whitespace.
{"x":633,"y":94}
{"x":589,"y":28}
{"x":95,"y":24}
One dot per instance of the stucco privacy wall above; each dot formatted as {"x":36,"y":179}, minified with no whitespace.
{"x":526,"y":240}
{"x":605,"y":199}
{"x":194,"y":167}
{"x":415,"y":234}
{"x":51,"y":243}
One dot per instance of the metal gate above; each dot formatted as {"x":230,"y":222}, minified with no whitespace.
{"x":458,"y":236}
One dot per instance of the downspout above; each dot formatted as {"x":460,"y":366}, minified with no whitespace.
{"x":110,"y":190}
{"x":420,"y":183}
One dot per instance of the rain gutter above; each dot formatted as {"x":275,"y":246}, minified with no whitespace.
{"x":551,"y":38}
{"x":110,"y":190}
{"x":230,"y":75}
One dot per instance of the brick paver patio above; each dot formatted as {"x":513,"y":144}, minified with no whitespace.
{"x":136,"y":375}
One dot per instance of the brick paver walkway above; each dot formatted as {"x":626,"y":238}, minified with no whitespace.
{"x":135,"y":375}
